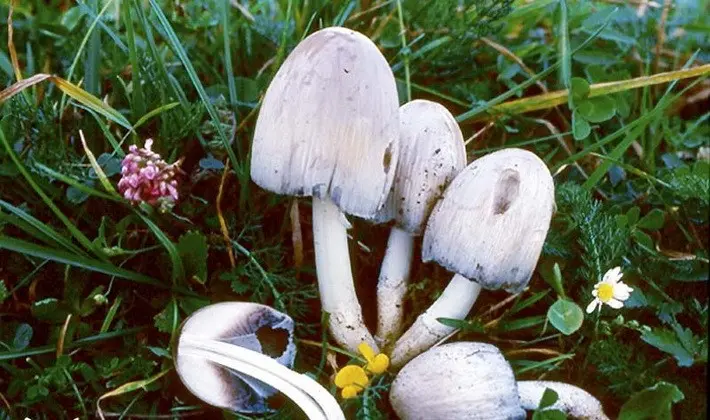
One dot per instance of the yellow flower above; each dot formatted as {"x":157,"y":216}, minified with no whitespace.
{"x":375,"y":363}
{"x":352,"y":380}
{"x":610,"y":291}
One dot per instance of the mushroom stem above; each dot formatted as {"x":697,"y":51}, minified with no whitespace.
{"x":455,"y":302}
{"x":314,"y":400}
{"x":392,"y":286}
{"x":335,"y":278}
{"x":573,"y":401}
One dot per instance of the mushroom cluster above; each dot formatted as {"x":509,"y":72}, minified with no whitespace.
{"x":330,"y":128}
{"x":488,"y":228}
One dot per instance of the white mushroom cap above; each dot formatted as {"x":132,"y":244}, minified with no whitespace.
{"x":571,"y":400}
{"x":457,"y":381}
{"x":492,"y":221}
{"x":328,"y":124}
{"x":256,"y":327}
{"x":431,"y":153}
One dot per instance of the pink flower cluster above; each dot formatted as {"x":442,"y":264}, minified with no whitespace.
{"x":147,"y":178}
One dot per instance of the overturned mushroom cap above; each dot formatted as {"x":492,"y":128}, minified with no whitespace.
{"x":328,"y":124}
{"x":492,"y":221}
{"x":571,"y":400}
{"x":250,"y":325}
{"x":431,"y":153}
{"x":457,"y":381}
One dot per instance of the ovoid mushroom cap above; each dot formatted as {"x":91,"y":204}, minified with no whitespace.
{"x":492,"y":221}
{"x":250,"y":325}
{"x":431,"y":153}
{"x":457,"y":381}
{"x":328,"y":124}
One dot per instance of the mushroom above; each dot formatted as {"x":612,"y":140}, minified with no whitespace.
{"x":489,"y":228}
{"x":457,"y":381}
{"x":327,"y":128}
{"x":235,"y":355}
{"x":431,"y":153}
{"x":571,"y":400}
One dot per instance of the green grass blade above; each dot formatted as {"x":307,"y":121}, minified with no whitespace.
{"x":192,"y":74}
{"x":34,"y":351}
{"x":80,"y":50}
{"x":20,"y":86}
{"x":552,"y":99}
{"x":114,"y":37}
{"x":155,"y":54}
{"x":564,"y":50}
{"x":51,"y":236}
{"x":78,"y":235}
{"x":5,"y":64}
{"x":178,"y":274}
{"x":83,"y":97}
{"x":632,"y":135}
{"x":92,"y":102}
{"x":620,"y":132}
{"x":92,"y":61}
{"x":138,"y":100}
{"x":103,"y":179}
{"x":26,"y":227}
{"x":107,"y":133}
{"x":76,"y":184}
{"x":281,"y":52}
{"x":420,"y":52}
{"x":525,"y":10}
{"x":157,"y":111}
{"x":28,"y":248}
{"x":110,"y":315}
{"x":544,"y":363}
{"x":226,"y":32}
{"x":404,"y":51}
{"x":435,"y":92}
{"x":511,"y":92}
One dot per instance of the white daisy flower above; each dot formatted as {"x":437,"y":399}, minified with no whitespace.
{"x":611,"y":291}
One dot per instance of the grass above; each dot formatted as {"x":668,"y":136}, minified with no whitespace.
{"x":612,"y":95}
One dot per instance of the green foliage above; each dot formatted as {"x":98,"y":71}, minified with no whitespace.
{"x":601,"y":240}
{"x":566,"y":316}
{"x":654,"y":402}
{"x":167,"y":320}
{"x":549,"y":397}
{"x":621,"y":367}
{"x":4,"y":293}
{"x":193,"y":250}
{"x":464,"y":20}
{"x":112,"y":283}
{"x":679,"y":342}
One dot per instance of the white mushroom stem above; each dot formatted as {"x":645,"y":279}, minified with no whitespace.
{"x":573,"y":401}
{"x":455,"y":302}
{"x":314,"y":400}
{"x":392,"y":285}
{"x":335,"y":278}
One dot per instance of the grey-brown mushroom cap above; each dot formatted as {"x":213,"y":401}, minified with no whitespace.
{"x":328,"y":124}
{"x":256,"y":327}
{"x":457,"y":381}
{"x":492,"y":220}
{"x":431,"y":153}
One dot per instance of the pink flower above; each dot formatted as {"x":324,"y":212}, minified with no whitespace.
{"x":147,"y":178}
